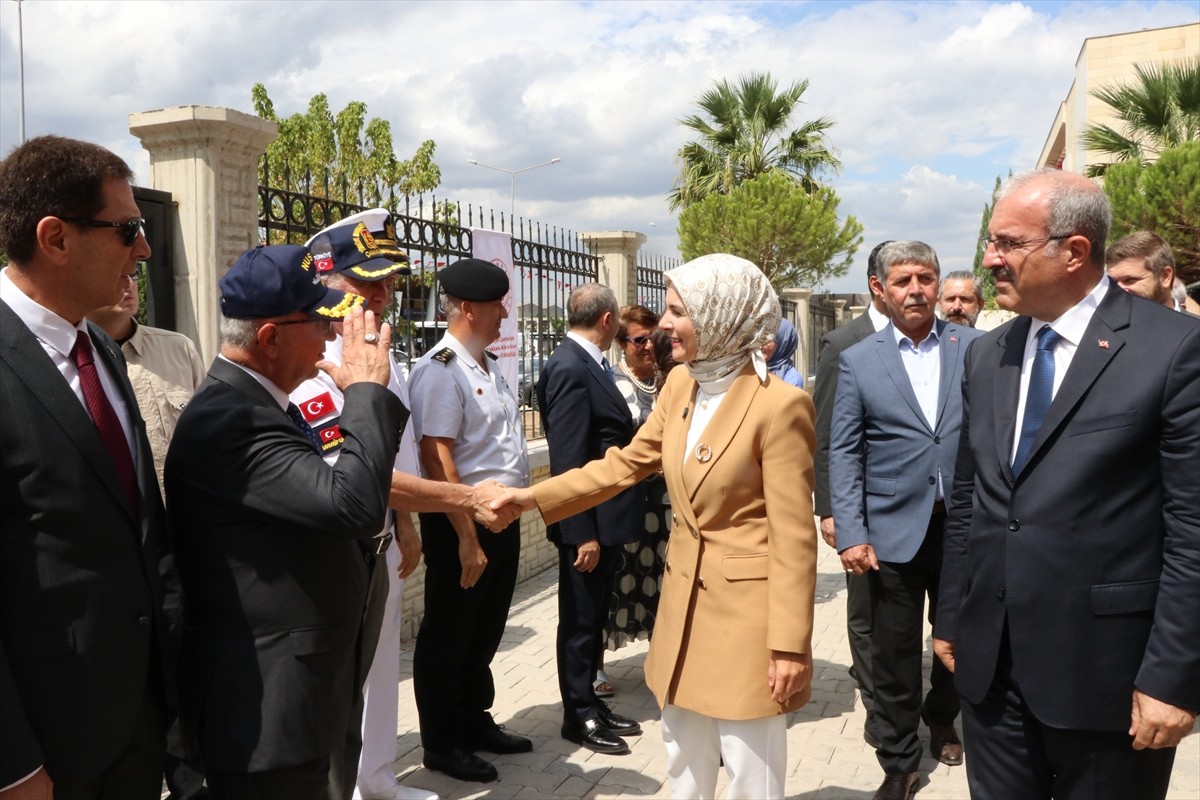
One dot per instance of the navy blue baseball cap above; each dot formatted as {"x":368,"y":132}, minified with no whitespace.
{"x":279,"y":279}
{"x":363,"y":246}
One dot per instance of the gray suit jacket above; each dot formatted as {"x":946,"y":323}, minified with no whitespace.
{"x":80,"y":592}
{"x":884,"y":456}
{"x":832,"y":345}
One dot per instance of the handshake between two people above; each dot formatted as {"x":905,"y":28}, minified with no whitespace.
{"x":494,"y":506}
{"x":497,"y":505}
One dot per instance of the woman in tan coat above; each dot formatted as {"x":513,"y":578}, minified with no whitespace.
{"x":731,"y":651}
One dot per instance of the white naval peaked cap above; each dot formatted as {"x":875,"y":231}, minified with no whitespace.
{"x":373,"y":218}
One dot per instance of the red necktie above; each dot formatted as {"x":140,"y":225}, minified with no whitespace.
{"x":111,"y":432}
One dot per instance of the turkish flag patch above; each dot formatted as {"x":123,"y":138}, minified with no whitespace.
{"x":318,"y":407}
{"x":331,"y":437}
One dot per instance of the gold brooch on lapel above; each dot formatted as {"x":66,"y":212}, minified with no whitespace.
{"x":703,"y":453}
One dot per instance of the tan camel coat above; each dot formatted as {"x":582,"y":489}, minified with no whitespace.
{"x":741,"y":559}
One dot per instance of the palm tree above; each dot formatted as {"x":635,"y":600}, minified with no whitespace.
{"x":743,"y":134}
{"x":1160,"y":109}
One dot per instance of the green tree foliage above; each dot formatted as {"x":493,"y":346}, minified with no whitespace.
{"x":793,"y":235}
{"x":986,"y":278}
{"x":343,"y":150}
{"x":743,"y":133}
{"x":1159,"y":110}
{"x":1163,"y":197}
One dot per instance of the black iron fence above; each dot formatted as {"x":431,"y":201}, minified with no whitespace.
{"x":651,"y":292}
{"x":549,"y":261}
{"x":822,"y":318}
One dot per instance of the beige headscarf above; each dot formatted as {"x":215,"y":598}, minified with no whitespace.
{"x":733,"y":309}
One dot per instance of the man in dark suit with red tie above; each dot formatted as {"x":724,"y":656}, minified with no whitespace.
{"x":1070,"y":599}
{"x":584,"y":415}
{"x":82,"y":636}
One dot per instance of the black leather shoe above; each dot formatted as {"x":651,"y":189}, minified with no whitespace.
{"x":461,"y":764}
{"x":898,"y":787}
{"x":494,"y":739}
{"x":592,"y":734}
{"x":621,"y":726}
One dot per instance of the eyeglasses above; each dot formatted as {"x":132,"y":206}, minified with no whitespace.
{"x":639,"y":341}
{"x":1005,"y":246}
{"x":129,"y":230}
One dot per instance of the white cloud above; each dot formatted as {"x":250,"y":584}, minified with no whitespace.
{"x":931,"y":99}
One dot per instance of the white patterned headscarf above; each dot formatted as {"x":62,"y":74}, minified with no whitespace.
{"x":733,"y":309}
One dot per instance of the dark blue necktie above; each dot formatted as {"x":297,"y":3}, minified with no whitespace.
{"x":302,"y":424}
{"x":1041,"y":392}
{"x":607,"y":368}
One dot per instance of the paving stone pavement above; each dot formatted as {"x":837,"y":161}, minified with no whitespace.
{"x":827,"y":758}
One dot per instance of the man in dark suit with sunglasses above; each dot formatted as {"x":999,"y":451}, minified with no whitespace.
{"x":82,"y":682}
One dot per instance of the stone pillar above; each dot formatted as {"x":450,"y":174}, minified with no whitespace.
{"x":207,"y":158}
{"x":618,"y":265}
{"x":803,"y":322}
{"x":854,"y":312}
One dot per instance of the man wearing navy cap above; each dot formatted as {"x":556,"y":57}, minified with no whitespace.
{"x":269,"y":539}
{"x":469,"y":432}
{"x":360,"y":254}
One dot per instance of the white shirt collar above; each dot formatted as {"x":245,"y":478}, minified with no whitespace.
{"x":591,"y":349}
{"x":47,"y":326}
{"x":277,"y":394}
{"x":1074,"y":321}
{"x":877,"y":319}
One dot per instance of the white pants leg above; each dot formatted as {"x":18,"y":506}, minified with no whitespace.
{"x":381,"y":696}
{"x":755,"y":754}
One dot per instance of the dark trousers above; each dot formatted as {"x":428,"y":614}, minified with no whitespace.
{"x":306,"y":781}
{"x":138,"y":773}
{"x":898,"y":594}
{"x":460,"y":632}
{"x":859,"y":622}
{"x":1015,"y":755}
{"x":583,"y":599}
{"x":343,"y":761}
{"x":184,"y":780}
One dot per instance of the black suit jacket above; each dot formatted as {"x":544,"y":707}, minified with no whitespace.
{"x":584,"y":414}
{"x":1092,"y":553}
{"x":274,"y":580}
{"x":832,"y":345}
{"x":80,"y":592}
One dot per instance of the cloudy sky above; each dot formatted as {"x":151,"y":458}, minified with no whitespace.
{"x":932,"y":100}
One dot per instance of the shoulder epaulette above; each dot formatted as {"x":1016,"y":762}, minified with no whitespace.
{"x":445,"y":355}
{"x":491,"y":355}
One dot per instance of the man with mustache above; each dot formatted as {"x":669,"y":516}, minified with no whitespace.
{"x":893,"y":442}
{"x":961,"y":298}
{"x":1072,"y":564}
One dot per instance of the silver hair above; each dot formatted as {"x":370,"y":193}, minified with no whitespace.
{"x":240,"y":333}
{"x":962,"y":275}
{"x":904,"y":252}
{"x":1074,"y":211}
{"x":587,"y":303}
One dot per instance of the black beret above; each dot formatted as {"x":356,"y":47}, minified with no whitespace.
{"x":474,"y":279}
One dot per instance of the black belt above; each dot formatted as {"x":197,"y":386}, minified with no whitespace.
{"x":939,"y":507}
{"x":381,"y":543}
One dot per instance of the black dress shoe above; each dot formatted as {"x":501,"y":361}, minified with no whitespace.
{"x":621,"y":726}
{"x":494,"y":739}
{"x":898,"y":787}
{"x":592,"y":734}
{"x":461,"y":764}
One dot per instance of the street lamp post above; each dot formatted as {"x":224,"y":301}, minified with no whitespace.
{"x":512,"y":177}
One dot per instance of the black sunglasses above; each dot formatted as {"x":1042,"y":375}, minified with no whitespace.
{"x":129,"y":230}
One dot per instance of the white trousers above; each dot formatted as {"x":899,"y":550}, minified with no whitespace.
{"x":754,"y":750}
{"x":381,"y":696}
